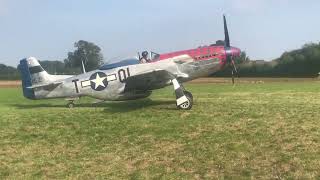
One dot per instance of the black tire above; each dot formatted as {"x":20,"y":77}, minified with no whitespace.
{"x":70,"y":105}
{"x":188,"y":94}
{"x":187,"y":105}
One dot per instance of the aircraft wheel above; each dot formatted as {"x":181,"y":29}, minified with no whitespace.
{"x":187,"y":105}
{"x":70,"y":105}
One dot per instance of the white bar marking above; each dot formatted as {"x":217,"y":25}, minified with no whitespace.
{"x":112,"y":77}
{"x":182,"y":100}
{"x":86,"y":83}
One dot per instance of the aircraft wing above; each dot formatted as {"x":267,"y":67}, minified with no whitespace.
{"x":44,"y":85}
{"x":149,"y":80}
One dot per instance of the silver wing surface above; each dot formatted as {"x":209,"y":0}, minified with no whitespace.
{"x":150,"y":80}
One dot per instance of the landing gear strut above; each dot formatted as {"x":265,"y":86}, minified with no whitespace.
{"x":184,"y":99}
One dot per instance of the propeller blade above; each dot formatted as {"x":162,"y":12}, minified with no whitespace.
{"x":234,"y":66}
{"x":226,"y":32}
{"x":232,"y":74}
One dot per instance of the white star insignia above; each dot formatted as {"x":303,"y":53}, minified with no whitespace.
{"x":98,"y":81}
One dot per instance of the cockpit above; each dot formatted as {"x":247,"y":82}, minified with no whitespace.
{"x":147,"y":57}
{"x":144,"y":57}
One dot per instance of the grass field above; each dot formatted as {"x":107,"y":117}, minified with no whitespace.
{"x":268,"y":130}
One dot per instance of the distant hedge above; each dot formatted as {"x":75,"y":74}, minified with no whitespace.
{"x":304,"y":62}
{"x":8,"y":73}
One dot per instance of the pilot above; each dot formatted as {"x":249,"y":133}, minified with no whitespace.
{"x":144,"y":58}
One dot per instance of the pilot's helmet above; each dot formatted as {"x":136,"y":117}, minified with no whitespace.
{"x":145,"y":54}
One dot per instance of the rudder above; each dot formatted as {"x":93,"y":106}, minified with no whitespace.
{"x":26,"y":79}
{"x":32,"y":74}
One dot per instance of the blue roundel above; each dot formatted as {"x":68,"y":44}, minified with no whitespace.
{"x":98,"y":81}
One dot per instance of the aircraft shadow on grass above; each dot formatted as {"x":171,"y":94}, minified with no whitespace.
{"x":121,"y":106}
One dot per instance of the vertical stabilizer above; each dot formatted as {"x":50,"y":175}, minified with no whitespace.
{"x":32,"y":74}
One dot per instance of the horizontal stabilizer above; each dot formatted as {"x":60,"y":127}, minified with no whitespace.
{"x":44,"y":85}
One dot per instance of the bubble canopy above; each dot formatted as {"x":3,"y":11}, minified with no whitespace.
{"x":152,"y":56}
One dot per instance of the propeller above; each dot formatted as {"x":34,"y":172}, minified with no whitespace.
{"x":228,"y":50}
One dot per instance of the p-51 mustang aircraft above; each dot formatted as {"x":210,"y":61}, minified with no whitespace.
{"x":131,"y":79}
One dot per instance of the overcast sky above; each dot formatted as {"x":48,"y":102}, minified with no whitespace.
{"x":47,"y":29}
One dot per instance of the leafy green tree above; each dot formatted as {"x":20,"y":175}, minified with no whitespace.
{"x":243,"y":58}
{"x":8,"y":73}
{"x":87,"y":52}
{"x":54,"y":67}
{"x":304,"y":62}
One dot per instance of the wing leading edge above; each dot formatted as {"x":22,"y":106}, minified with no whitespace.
{"x":151,"y":80}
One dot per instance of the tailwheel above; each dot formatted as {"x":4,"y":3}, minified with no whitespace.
{"x":188,"y":104}
{"x":70,"y":105}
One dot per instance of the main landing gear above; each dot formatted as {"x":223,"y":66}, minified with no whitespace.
{"x":188,"y":104}
{"x":184,"y":99}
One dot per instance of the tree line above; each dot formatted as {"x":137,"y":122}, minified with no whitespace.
{"x":8,"y":73}
{"x":303,"y":62}
{"x":85,"y":52}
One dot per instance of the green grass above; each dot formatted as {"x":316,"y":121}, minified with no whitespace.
{"x":266,"y":131}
